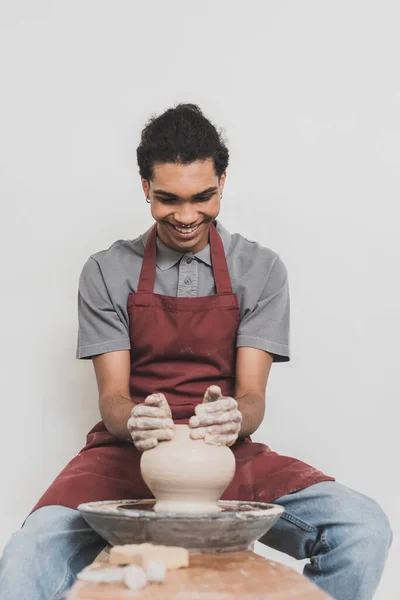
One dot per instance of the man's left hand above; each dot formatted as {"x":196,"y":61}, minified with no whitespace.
{"x":217,"y":420}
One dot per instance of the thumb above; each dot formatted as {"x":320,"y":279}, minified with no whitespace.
{"x":212,"y":393}
{"x":157,"y":399}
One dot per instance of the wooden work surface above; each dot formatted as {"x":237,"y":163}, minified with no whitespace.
{"x":230,"y":576}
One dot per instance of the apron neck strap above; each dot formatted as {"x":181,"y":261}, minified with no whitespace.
{"x":148,"y":272}
{"x":220,"y":267}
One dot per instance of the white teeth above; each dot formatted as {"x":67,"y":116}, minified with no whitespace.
{"x":186,"y":229}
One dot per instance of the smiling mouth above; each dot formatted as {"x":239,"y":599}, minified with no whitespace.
{"x":186,"y":230}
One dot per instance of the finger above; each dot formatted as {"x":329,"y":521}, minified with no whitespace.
{"x":160,"y":401}
{"x":148,"y":444}
{"x":212,"y":393}
{"x":150,"y":423}
{"x":233,"y":440}
{"x":142,"y":410}
{"x":229,"y":427}
{"x":198,"y":433}
{"x":217,"y":406}
{"x":159,"y":434}
{"x":216,"y":430}
{"x":206,"y":419}
{"x":220,"y":440}
{"x":156,"y":399}
{"x":194,"y":421}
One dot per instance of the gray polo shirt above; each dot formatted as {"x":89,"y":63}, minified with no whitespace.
{"x":258,"y":276}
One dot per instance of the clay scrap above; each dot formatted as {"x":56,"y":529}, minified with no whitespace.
{"x":172,"y":557}
{"x":136,"y":565}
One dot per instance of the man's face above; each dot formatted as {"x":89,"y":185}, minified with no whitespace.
{"x":185,"y":200}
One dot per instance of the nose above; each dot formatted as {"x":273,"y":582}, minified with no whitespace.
{"x":186,"y":215}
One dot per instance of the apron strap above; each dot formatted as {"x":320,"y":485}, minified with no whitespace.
{"x":219,"y":265}
{"x":147,"y":277}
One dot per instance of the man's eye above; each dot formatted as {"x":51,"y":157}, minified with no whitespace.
{"x":166,"y":200}
{"x":173,"y":200}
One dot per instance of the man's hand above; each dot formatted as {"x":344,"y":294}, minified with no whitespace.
{"x":151,"y":422}
{"x":217,"y":420}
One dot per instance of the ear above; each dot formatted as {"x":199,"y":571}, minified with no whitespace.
{"x":146,"y":187}
{"x":222,"y":180}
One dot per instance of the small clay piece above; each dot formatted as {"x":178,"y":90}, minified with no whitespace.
{"x":102,"y":575}
{"x":155,"y":571}
{"x":186,"y":475}
{"x":135,"y":577}
{"x":128,"y":554}
{"x":172,"y":557}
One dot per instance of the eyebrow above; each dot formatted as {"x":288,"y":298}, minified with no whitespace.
{"x":198,"y":195}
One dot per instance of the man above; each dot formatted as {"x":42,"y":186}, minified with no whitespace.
{"x":164,"y":317}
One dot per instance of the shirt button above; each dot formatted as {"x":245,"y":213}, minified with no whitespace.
{"x":189,"y":260}
{"x":187,"y":281}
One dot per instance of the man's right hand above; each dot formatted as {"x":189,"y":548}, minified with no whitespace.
{"x":151,"y":422}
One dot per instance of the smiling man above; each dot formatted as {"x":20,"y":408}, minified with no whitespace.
{"x":196,"y":210}
{"x":188,"y":311}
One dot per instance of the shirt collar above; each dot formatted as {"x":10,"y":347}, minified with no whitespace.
{"x":168,"y":257}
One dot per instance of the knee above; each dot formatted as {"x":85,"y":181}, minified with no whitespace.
{"x":357,"y":524}
{"x":21,"y":549}
{"x":368,"y":530}
{"x":53,"y":518}
{"x":35,"y":537}
{"x":27,"y":540}
{"x":374,"y":527}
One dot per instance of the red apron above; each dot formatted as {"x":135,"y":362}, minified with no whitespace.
{"x":180,"y":346}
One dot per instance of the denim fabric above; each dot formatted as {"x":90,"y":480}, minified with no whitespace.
{"x":344,"y":534}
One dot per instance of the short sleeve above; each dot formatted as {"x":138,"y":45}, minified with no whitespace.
{"x":100,"y":328}
{"x":267,"y":326}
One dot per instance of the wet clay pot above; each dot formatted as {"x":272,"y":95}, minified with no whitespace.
{"x":187,"y":476}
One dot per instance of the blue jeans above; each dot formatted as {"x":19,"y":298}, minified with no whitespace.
{"x":345,"y":535}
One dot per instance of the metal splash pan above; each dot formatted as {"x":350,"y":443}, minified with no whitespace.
{"x":236,"y":527}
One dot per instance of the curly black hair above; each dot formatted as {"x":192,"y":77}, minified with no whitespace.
{"x":180,"y":135}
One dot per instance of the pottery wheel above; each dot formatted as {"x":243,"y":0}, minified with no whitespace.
{"x":235,"y":528}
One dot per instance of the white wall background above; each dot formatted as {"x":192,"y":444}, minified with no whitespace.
{"x":309,"y":95}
